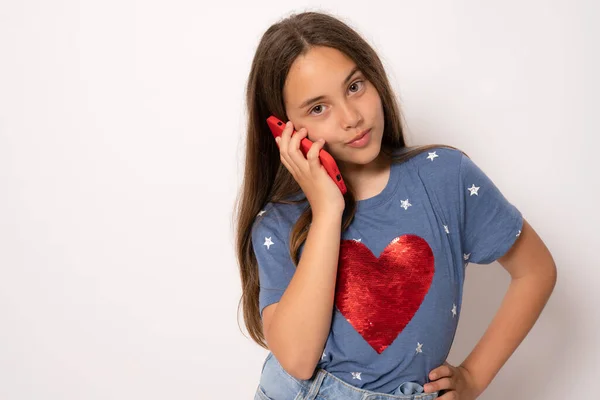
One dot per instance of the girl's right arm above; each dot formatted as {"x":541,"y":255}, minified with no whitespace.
{"x":296,"y":328}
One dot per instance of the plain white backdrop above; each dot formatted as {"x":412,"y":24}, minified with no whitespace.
{"x":122,"y":132}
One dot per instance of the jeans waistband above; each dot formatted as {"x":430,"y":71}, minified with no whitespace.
{"x":322,"y":380}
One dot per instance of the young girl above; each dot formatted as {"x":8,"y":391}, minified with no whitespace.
{"x":358,"y":296}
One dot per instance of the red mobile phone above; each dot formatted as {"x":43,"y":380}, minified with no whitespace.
{"x":277,"y":127}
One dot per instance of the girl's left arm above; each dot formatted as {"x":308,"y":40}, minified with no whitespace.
{"x":533,"y":277}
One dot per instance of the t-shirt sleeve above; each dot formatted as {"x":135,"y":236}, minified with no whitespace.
{"x":490,"y":223}
{"x":275,"y":264}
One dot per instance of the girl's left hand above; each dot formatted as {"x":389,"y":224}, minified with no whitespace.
{"x":456,"y":383}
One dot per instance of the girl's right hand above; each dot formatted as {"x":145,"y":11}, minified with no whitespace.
{"x":321,"y":192}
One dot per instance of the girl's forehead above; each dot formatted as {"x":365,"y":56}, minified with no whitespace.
{"x":318,"y":72}
{"x":317,"y":62}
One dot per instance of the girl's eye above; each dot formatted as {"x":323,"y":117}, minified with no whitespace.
{"x":319,"y":105}
{"x":356,"y":83}
{"x":314,"y":108}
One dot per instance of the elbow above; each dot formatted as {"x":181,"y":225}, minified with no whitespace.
{"x":299,"y":367}
{"x":550,"y":273}
{"x":301,"y":373}
{"x":547,"y":277}
{"x":553,"y":276}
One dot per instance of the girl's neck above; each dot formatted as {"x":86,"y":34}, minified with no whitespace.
{"x":370,"y":179}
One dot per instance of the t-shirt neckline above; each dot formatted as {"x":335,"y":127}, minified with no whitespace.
{"x":383,"y":196}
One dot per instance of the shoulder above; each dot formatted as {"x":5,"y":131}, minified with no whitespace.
{"x":277,"y":218}
{"x":437,"y":163}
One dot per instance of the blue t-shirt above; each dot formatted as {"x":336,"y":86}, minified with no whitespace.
{"x":401,"y":266}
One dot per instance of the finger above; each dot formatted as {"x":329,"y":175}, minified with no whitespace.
{"x":440,"y":384}
{"x":296,"y":138}
{"x":452,"y":395}
{"x":284,"y":138}
{"x":284,"y":147}
{"x":284,"y":160}
{"x":281,"y":138}
{"x":312,"y":156}
{"x":294,"y":149}
{"x":439,"y":372}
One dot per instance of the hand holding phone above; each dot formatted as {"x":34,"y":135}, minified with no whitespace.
{"x":277,"y":127}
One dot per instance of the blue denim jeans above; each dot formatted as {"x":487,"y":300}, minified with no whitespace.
{"x":277,"y":384}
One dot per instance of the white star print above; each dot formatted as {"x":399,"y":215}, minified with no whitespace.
{"x":446,"y":228}
{"x":466,"y":256}
{"x":323,"y":356}
{"x":473,"y":189}
{"x":419,"y":345}
{"x":519,"y":233}
{"x":453,"y":310}
{"x":405,"y":204}
{"x":432,"y":156}
{"x":356,"y":375}
{"x":357,"y":240}
{"x":261,"y":213}
{"x":268,"y":243}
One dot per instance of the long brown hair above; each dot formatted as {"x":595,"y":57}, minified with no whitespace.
{"x":265,"y":178}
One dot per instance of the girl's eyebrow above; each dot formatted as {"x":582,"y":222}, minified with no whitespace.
{"x":310,"y":101}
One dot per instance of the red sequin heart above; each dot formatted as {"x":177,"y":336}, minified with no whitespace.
{"x":379,"y":296}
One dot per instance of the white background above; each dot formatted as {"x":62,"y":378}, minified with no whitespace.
{"x":122,"y":129}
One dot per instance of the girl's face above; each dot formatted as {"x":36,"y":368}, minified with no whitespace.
{"x":326,"y":94}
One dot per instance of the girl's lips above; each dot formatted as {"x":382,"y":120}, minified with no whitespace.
{"x":362,"y":141}
{"x":359,"y":136}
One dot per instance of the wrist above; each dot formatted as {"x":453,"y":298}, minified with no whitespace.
{"x":327,"y":215}
{"x":475,"y":382}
